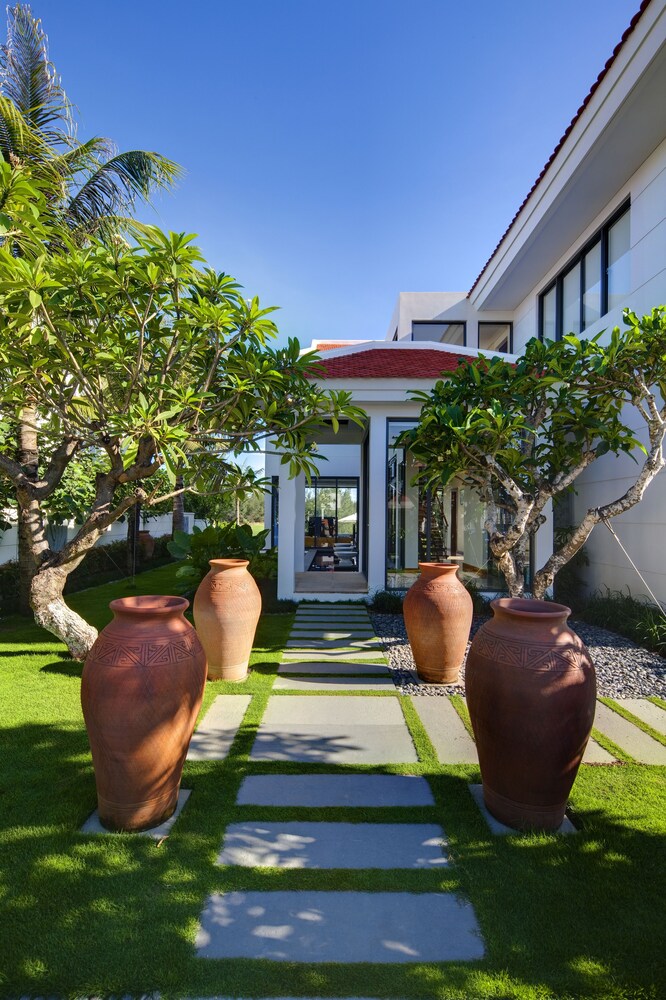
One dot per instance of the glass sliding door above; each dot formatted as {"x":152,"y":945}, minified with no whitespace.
{"x":331,"y":523}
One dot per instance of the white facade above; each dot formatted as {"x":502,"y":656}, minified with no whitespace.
{"x":613,"y":155}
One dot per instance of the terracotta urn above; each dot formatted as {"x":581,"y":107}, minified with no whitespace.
{"x":438,"y":617}
{"x":141,"y":691}
{"x":146,"y":544}
{"x":227,"y":606}
{"x":531,"y":691}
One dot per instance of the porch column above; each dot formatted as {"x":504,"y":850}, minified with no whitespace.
{"x":286,"y":545}
{"x":377,"y":503}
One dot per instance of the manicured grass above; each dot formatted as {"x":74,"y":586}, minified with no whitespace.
{"x":570,"y":917}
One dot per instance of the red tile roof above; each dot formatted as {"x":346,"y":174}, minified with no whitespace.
{"x":386,"y":362}
{"x":634,"y":21}
{"x":332,"y":345}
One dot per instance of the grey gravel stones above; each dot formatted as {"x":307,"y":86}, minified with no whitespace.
{"x":623,"y":669}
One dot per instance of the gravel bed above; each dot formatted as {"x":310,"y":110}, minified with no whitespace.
{"x":624,"y":670}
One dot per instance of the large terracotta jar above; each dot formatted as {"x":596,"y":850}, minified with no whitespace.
{"x":438,"y":617}
{"x":146,"y":544}
{"x":531,"y":691}
{"x":141,"y":691}
{"x":227,"y":606}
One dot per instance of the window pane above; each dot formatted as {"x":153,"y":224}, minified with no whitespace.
{"x":619,"y":276}
{"x":592,"y":289}
{"x":571,"y":301}
{"x":548,"y":329}
{"x":443,"y":333}
{"x":495,"y":337}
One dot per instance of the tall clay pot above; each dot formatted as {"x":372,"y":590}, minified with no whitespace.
{"x":146,"y":544}
{"x":141,"y":691}
{"x":438,"y":617}
{"x":227,"y":606}
{"x":531,"y":691}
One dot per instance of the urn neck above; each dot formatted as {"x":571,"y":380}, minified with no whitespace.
{"x":526,"y":611}
{"x":228,"y":565}
{"x":432,"y":570}
{"x":138,"y":609}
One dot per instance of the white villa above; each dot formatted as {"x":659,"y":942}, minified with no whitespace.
{"x":588,"y":241}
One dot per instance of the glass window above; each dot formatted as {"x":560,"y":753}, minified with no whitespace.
{"x":571,"y":301}
{"x":442,"y":333}
{"x":619,"y":277}
{"x":495,"y":337}
{"x":592,"y":285}
{"x":548,"y":303}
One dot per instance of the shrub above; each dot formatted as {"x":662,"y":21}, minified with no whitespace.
{"x":386,"y":602}
{"x":639,"y":620}
{"x":222,"y":541}
{"x":480,"y":604}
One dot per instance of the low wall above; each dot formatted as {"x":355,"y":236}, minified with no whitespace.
{"x":157,"y":526}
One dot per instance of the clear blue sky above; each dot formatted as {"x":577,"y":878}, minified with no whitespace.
{"x":337,"y":153}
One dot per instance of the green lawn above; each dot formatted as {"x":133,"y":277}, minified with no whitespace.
{"x":578,"y":916}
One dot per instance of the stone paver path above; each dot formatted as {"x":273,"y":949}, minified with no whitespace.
{"x":354,"y":718}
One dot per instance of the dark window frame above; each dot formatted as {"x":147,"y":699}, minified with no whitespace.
{"x":495,"y":322}
{"x":600,"y":236}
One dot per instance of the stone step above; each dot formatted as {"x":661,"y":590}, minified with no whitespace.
{"x":333,"y":845}
{"x":331,"y":654}
{"x":629,"y":737}
{"x":333,"y":684}
{"x":647,"y":711}
{"x":217,"y":730}
{"x":344,"y":927}
{"x":334,"y":729}
{"x":332,"y":667}
{"x":330,"y":636}
{"x":335,"y":790}
{"x":445,"y":728}
{"x":308,"y":642}
{"x":595,"y":754}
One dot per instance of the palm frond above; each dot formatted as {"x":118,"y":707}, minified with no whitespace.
{"x":29,"y":79}
{"x":115,"y":185}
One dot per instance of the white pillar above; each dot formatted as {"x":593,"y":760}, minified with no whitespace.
{"x":299,"y":523}
{"x":377,"y":504}
{"x":286,"y":536}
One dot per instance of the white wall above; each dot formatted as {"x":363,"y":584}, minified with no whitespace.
{"x":157,"y":526}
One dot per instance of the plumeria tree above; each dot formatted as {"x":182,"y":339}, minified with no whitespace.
{"x":521,"y":433}
{"x":149,"y":361}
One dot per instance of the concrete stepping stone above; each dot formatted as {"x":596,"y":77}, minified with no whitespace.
{"x":332,"y":655}
{"x":595,"y":754}
{"x":309,"y":643}
{"x":332,"y":615}
{"x":335,"y":668}
{"x":647,"y":711}
{"x":345,"y":927}
{"x":328,"y":636}
{"x":330,"y":790}
{"x":333,"y":845}
{"x":632,"y":739}
{"x":217,"y":730}
{"x":93,"y":824}
{"x":333,"y":684}
{"x":334,"y":729}
{"x":500,"y":829}
{"x":452,"y":742}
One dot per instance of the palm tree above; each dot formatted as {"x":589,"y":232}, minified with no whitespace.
{"x":89,"y":187}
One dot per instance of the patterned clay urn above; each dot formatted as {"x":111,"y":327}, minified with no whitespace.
{"x":438,"y":617}
{"x":227,"y":606}
{"x":141,"y":692}
{"x":531,"y":691}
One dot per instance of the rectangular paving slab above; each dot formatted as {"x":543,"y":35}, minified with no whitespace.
{"x":333,"y":845}
{"x":595,"y":754}
{"x":446,"y":730}
{"x":632,"y":739}
{"x":333,"y":667}
{"x":348,"y":790}
{"x":332,"y":655}
{"x":333,"y":684}
{"x":647,"y":711}
{"x":334,"y":729}
{"x":345,"y":643}
{"x":217,"y":730}
{"x":330,"y":636}
{"x":339,"y":927}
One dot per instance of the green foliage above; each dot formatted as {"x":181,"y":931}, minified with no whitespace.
{"x":386,"y":602}
{"x":222,"y":541}
{"x":639,"y":620}
{"x":520,"y":433}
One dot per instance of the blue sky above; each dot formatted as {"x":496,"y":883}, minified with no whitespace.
{"x":337,"y":153}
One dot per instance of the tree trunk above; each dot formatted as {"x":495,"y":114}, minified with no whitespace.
{"x":28,"y":458}
{"x":133,"y":521}
{"x":178,"y":516}
{"x":55,"y":616}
